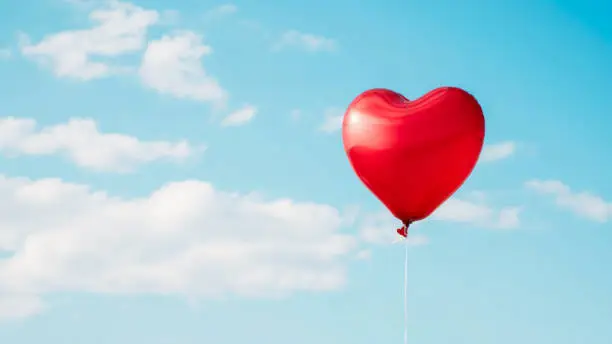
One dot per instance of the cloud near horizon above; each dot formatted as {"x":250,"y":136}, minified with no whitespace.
{"x":185,"y":238}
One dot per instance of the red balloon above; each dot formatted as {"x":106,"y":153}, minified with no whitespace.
{"x":413,"y":155}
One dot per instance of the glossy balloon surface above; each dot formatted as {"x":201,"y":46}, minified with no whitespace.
{"x":413,"y":155}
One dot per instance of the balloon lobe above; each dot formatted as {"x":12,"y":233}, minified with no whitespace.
{"x":413,"y":155}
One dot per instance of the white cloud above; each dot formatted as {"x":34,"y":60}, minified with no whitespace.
{"x":509,"y":217}
{"x":498,"y":151}
{"x":240,"y":117}
{"x":119,"y":28}
{"x":380,"y":228}
{"x":332,"y":120}
{"x":364,"y":255}
{"x":172,"y":65}
{"x":304,"y":41}
{"x":582,"y":203}
{"x":186,"y":238}
{"x":18,"y":306}
{"x":81,"y":141}
{"x":478,"y":214}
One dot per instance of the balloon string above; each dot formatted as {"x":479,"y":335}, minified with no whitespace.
{"x":406,"y":290}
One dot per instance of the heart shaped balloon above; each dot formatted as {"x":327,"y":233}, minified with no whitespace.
{"x":413,"y":155}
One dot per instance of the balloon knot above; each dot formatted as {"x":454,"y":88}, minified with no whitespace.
{"x":403,"y":231}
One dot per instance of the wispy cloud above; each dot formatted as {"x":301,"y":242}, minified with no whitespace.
{"x":332,"y":120}
{"x":304,"y":41}
{"x":379,"y":228}
{"x":478,"y":213}
{"x":240,"y":117}
{"x":583,"y":204}
{"x":497,"y":151}
{"x":19,"y":306}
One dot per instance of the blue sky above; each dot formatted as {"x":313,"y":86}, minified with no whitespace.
{"x":173,"y":173}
